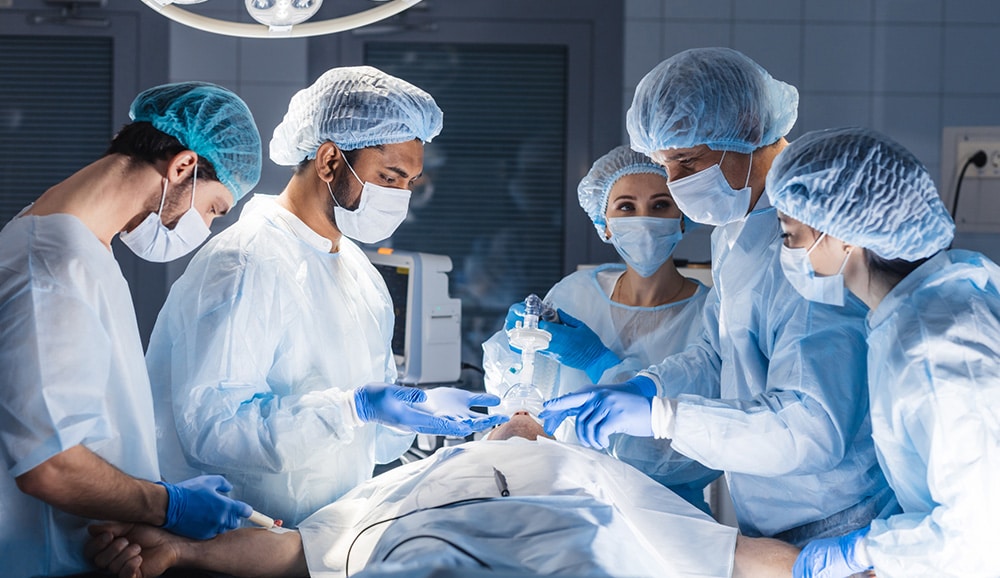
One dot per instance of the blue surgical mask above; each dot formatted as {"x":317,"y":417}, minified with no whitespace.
{"x":645,"y":243}
{"x":707,"y":197}
{"x":153,"y":241}
{"x":799,"y":271}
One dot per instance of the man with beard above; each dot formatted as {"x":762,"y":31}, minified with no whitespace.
{"x":271,"y":360}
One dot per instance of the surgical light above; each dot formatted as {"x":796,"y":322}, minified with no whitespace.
{"x":278,"y":18}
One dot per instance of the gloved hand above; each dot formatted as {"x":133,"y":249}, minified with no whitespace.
{"x":638,"y":385}
{"x":576,"y":345}
{"x":197,"y":509}
{"x":403,"y":408}
{"x":833,"y":557}
{"x":599,"y":414}
{"x":453,"y":403}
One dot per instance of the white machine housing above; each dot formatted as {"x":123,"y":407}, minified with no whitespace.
{"x":426,"y":341}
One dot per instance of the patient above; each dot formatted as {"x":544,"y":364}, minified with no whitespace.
{"x":550,"y":508}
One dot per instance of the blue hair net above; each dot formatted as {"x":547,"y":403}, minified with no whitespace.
{"x":594,"y":189}
{"x":211,"y":121}
{"x":712,"y":96}
{"x":354,"y":107}
{"x":864,"y":189}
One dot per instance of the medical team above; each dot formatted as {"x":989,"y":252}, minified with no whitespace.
{"x":270,"y":364}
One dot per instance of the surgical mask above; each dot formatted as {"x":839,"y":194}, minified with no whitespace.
{"x":706,"y":196}
{"x":380,"y":212}
{"x":645,"y":243}
{"x":153,"y":241}
{"x":799,"y":271}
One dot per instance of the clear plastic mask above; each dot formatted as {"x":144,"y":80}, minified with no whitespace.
{"x":522,"y":396}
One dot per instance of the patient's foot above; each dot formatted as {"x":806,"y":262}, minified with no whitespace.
{"x":133,"y":550}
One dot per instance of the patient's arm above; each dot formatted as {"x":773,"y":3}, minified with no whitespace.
{"x":140,"y":551}
{"x":763,"y":558}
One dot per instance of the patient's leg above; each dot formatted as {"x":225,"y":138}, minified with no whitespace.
{"x":763,"y":557}
{"x":143,"y":551}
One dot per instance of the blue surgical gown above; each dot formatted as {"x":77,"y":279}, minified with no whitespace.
{"x":639,"y":336}
{"x":934,"y":375}
{"x":71,"y":373}
{"x":254,"y":359}
{"x":774,"y":391}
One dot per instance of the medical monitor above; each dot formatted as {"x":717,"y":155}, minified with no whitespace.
{"x":426,"y":338}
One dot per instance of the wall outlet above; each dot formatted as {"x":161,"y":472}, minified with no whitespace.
{"x":978,"y":207}
{"x":967,"y":148}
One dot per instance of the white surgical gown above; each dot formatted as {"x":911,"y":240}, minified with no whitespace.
{"x":254,"y":359}
{"x":71,"y":373}
{"x":934,"y":374}
{"x":639,"y":336}
{"x":780,"y":394}
{"x":571,"y":511}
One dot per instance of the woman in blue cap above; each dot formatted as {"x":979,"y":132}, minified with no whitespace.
{"x":618,"y":318}
{"x":860,"y":212}
{"x":76,"y":415}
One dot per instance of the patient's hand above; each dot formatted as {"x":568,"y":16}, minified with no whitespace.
{"x":132,"y":550}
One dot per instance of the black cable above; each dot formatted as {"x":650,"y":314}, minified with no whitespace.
{"x":978,"y":159}
{"x":446,"y":541}
{"x":347,"y":559}
{"x":473,"y":367}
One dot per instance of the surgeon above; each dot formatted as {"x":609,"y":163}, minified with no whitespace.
{"x":271,"y":359}
{"x":860,"y":211}
{"x":76,"y":415}
{"x":774,"y":390}
{"x":618,"y":318}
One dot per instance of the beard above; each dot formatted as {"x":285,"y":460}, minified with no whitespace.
{"x":341,"y":189}
{"x":176,"y":202}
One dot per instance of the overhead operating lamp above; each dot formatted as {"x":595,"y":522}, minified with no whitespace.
{"x":278,"y":18}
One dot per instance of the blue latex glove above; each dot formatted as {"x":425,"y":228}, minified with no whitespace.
{"x":599,"y":414}
{"x":576,"y":345}
{"x":403,"y":408}
{"x":638,"y":385}
{"x":453,"y":403}
{"x":833,"y":557}
{"x":197,"y":509}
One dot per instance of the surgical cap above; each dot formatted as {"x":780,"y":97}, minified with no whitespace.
{"x":864,"y":189}
{"x":712,"y":96}
{"x":354,"y":107}
{"x":595,"y":188}
{"x":211,"y":121}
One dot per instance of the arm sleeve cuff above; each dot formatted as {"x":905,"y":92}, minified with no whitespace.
{"x":352,"y":412}
{"x":663,"y":411}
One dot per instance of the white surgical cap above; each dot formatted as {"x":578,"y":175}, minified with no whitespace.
{"x":594,"y":189}
{"x":710,"y":96}
{"x":354,"y":107}
{"x":864,"y":189}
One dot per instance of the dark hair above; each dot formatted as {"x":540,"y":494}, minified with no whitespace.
{"x":141,"y":142}
{"x":889,"y":271}
{"x":351,"y":156}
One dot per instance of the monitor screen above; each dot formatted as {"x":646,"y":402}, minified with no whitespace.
{"x":397,"y":279}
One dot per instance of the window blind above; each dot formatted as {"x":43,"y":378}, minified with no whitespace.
{"x":55,"y":112}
